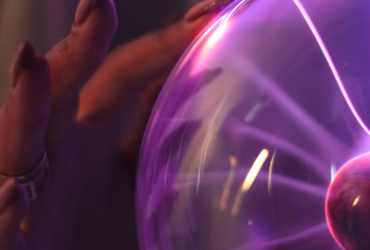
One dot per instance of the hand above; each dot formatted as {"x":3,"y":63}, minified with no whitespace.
{"x":71,"y":105}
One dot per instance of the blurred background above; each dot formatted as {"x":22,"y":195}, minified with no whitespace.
{"x":45,"y":22}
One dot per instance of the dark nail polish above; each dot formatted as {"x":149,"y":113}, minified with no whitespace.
{"x":83,"y":10}
{"x":23,"y":60}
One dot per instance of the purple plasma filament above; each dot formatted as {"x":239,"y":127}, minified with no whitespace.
{"x":331,"y":63}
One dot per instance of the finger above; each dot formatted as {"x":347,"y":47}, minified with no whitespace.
{"x":134,"y":64}
{"x":14,"y":205}
{"x":204,"y":7}
{"x":76,"y":58}
{"x":24,"y":117}
{"x":131,"y":143}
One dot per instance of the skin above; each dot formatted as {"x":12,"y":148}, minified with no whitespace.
{"x":71,"y":103}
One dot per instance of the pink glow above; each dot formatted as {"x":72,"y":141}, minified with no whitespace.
{"x":330,"y":62}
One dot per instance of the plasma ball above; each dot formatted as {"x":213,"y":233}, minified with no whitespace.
{"x":348,"y":204}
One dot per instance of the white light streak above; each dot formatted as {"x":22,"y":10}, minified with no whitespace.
{"x":331,"y":63}
{"x":255,"y":169}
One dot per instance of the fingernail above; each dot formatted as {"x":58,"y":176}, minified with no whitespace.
{"x":204,"y":8}
{"x":83,"y":10}
{"x":24,"y":58}
{"x":7,"y":193}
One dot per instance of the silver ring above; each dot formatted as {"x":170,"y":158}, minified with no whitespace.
{"x":34,"y":180}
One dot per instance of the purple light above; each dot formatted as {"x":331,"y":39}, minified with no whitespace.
{"x":331,"y":64}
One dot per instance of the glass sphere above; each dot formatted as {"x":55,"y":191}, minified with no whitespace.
{"x":252,"y":125}
{"x":348,"y":204}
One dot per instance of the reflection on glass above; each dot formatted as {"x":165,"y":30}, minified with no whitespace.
{"x":255,"y":169}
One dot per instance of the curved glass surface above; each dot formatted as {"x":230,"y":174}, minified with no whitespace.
{"x":252,"y":125}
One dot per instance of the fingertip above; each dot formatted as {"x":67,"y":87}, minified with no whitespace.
{"x":28,"y":102}
{"x":24,"y":117}
{"x":76,"y":58}
{"x":7,"y":191}
{"x":102,"y":16}
{"x":150,"y":95}
{"x":14,"y":197}
{"x":21,"y":200}
{"x":206,"y":7}
{"x":83,"y":9}
{"x":14,"y":204}
{"x":95,"y":19}
{"x":27,"y":65}
{"x":129,"y":146}
{"x":23,"y":58}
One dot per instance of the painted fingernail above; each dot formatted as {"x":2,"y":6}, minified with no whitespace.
{"x":83,"y":10}
{"x":24,"y":58}
{"x":204,"y":8}
{"x":7,"y":193}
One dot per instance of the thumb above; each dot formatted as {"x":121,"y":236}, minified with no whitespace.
{"x":14,"y":205}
